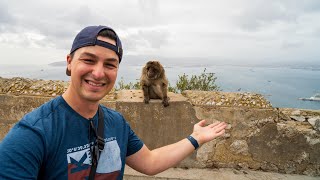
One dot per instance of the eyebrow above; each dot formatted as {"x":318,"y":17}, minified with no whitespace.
{"x":96,"y":57}
{"x":89,"y":54}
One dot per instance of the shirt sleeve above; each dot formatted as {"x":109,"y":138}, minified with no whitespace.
{"x":134,"y":142}
{"x":21,"y":152}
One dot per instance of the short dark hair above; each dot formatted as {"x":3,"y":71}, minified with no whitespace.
{"x":108,"y":34}
{"x":104,"y":33}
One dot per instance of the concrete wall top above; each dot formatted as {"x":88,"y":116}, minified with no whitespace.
{"x":258,"y":137}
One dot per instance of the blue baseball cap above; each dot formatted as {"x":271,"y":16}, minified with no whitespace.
{"x":88,"y":37}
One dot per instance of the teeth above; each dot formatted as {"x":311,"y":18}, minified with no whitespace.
{"x":94,"y":84}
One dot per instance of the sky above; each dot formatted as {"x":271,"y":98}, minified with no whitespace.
{"x":235,"y":31}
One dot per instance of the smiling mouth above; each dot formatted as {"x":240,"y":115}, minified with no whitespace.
{"x":95,"y":84}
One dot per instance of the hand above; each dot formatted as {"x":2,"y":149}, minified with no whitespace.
{"x":203,"y":133}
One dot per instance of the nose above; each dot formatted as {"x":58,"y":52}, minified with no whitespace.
{"x":98,"y":71}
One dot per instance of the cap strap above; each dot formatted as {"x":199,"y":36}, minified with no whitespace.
{"x":109,"y":46}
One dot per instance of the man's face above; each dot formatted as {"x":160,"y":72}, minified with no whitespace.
{"x":93,"y":71}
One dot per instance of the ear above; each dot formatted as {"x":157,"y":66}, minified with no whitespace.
{"x":69,"y":59}
{"x":159,"y":65}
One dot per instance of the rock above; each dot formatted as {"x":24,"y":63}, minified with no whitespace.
{"x":205,"y":152}
{"x":35,"y":87}
{"x":296,"y":113}
{"x":315,"y":122}
{"x":239,"y":147}
{"x":227,"y":99}
{"x":289,"y":168}
{"x":226,"y":135}
{"x":229,"y":126}
{"x":298,"y":118}
{"x":302,"y":157}
{"x":266,"y":166}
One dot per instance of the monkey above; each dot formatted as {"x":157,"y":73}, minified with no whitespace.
{"x":154,"y":83}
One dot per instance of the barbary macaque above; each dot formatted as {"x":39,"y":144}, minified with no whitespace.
{"x":154,"y":83}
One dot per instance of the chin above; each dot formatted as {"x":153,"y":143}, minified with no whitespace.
{"x":94,"y":97}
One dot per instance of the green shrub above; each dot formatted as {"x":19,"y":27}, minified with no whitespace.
{"x":203,"y":82}
{"x":131,"y":85}
{"x":172,"y":89}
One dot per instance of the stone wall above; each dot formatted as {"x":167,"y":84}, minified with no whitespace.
{"x":258,"y":137}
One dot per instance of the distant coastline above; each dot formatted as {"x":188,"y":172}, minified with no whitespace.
{"x":282,"y":86}
{"x":307,"y":66}
{"x":58,"y":63}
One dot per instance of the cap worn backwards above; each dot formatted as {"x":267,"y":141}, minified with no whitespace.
{"x":88,"y":37}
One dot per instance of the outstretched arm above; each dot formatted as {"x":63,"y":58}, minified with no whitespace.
{"x":158,"y":160}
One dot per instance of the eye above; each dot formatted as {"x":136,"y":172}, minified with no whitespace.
{"x":110,"y":65}
{"x":88,"y":61}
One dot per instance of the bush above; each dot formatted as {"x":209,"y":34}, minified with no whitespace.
{"x":203,"y":82}
{"x":172,"y":89}
{"x":131,"y":85}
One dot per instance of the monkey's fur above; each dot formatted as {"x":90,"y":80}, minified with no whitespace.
{"x":154,"y":83}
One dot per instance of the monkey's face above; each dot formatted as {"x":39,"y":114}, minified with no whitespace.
{"x":154,"y":69}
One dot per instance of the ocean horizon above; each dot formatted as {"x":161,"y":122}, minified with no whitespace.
{"x":282,"y":86}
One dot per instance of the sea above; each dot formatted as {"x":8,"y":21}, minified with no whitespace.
{"x":281,"y":86}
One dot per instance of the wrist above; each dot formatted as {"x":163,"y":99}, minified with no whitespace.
{"x":197,"y":137}
{"x":194,"y":142}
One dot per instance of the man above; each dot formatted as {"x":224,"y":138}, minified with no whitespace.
{"x":59,"y":140}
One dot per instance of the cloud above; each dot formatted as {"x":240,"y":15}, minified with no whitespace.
{"x":259,"y":14}
{"x":238,"y":29}
{"x":144,"y":40}
{"x":5,"y":17}
{"x":292,"y":44}
{"x":149,"y":7}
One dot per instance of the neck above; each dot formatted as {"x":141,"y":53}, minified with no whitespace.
{"x":87,"y":109}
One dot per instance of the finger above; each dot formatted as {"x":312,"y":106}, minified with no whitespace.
{"x":202,"y":123}
{"x":214,"y":124}
{"x":220,"y":133}
{"x":217,"y":124}
{"x":220,"y":127}
{"x":224,"y":125}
